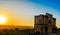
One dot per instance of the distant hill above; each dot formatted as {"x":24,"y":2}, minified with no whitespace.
{"x":13,"y":27}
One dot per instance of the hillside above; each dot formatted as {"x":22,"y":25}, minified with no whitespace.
{"x":13,"y":27}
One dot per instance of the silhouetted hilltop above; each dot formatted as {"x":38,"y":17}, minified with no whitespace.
{"x":13,"y":27}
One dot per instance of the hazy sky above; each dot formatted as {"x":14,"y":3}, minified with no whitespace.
{"x":22,"y":12}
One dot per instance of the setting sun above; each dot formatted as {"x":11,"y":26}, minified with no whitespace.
{"x":2,"y":20}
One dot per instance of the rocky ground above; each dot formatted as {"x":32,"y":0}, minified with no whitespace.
{"x":52,"y":34}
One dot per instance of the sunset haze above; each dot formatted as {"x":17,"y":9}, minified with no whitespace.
{"x":21,"y":13}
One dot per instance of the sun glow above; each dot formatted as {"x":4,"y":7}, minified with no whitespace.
{"x":2,"y":20}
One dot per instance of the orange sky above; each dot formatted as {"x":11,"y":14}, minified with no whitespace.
{"x":14,"y":20}
{"x":22,"y":13}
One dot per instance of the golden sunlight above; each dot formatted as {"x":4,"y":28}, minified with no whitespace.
{"x":2,"y":20}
